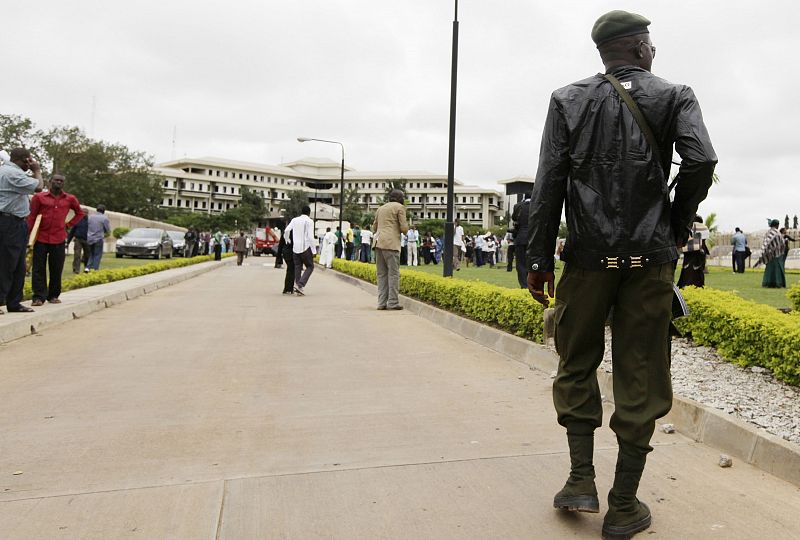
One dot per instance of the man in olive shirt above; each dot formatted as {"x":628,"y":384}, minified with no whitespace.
{"x":623,"y":241}
{"x":390,"y":222}
{"x":15,"y":188}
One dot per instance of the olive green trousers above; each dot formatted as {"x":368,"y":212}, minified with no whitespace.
{"x":641,"y":300}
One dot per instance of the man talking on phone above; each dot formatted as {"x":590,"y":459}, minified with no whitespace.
{"x":600,"y":158}
{"x":15,"y":189}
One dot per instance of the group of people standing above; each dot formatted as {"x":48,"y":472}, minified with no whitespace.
{"x":29,"y":212}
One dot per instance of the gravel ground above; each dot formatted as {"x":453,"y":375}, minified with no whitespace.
{"x":750,"y":394}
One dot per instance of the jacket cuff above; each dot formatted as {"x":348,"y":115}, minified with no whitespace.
{"x":541,"y":264}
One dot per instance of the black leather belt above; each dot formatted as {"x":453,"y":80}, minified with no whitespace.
{"x":6,"y":214}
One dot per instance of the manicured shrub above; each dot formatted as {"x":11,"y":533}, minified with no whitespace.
{"x":745,"y":332}
{"x":117,"y":274}
{"x":793,"y":294}
{"x":119,"y":232}
{"x":512,"y":310}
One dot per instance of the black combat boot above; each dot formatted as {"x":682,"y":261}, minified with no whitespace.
{"x":626,"y":514}
{"x":579,"y":493}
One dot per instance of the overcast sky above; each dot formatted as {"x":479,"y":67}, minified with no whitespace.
{"x":242,"y":79}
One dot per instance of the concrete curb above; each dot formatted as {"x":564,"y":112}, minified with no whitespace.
{"x":694,"y":420}
{"x":81,"y":302}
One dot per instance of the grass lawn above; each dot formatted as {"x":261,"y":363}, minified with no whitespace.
{"x":747,"y":285}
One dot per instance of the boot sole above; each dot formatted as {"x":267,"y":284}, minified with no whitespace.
{"x":624,"y":532}
{"x":579,"y":503}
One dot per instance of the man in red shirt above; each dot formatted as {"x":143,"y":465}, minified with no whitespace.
{"x":50,"y":246}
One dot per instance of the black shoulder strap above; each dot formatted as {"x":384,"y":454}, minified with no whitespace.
{"x":639,"y":117}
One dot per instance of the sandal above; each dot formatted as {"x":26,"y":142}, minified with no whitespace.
{"x":54,"y":301}
{"x":21,"y":309}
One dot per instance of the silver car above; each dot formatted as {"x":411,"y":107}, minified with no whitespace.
{"x":178,"y":243}
{"x":145,"y":242}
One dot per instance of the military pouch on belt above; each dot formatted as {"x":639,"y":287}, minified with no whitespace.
{"x":679,"y":307}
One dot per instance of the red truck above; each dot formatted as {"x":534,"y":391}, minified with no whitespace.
{"x":266,"y":242}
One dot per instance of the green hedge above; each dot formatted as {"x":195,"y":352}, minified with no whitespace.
{"x":512,"y":310}
{"x":117,"y":274}
{"x":745,"y":332}
{"x":793,"y":294}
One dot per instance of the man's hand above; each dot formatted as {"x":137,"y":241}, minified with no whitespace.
{"x":536,"y":282}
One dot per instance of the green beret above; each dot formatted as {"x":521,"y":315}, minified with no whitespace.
{"x":616,"y":24}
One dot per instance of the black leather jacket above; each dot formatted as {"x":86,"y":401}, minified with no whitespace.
{"x":595,"y":157}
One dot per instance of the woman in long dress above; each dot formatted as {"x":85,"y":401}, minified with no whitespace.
{"x":328,"y":245}
{"x":772,"y":255}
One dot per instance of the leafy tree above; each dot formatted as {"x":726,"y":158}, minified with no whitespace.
{"x":562,"y":229}
{"x":353,"y":211}
{"x":294,"y":203}
{"x":16,"y":131}
{"x":711,"y":223}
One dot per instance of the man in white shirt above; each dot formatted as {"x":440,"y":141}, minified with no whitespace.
{"x":412,"y":237}
{"x":366,"y":245}
{"x":458,"y":245}
{"x":303,"y":248}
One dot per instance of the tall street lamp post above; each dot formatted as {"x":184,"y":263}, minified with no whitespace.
{"x":341,"y":180}
{"x":447,"y":270}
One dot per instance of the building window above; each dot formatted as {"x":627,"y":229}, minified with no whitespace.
{"x":491,"y":200}
{"x":240,"y":176}
{"x":429,"y":215}
{"x":192,"y":186}
{"x":463,"y":199}
{"x":412,"y":199}
{"x":480,"y":215}
{"x":227,"y":206}
{"x":204,"y":204}
{"x":169,"y":202}
{"x":217,"y":173}
{"x":282,"y":179}
{"x":283,"y":195}
{"x":210,"y":172}
{"x":226,"y":174}
{"x":195,"y":204}
{"x":473,"y":215}
{"x":472,"y":199}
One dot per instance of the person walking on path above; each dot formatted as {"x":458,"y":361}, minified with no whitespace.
{"x":285,"y":249}
{"x":303,"y":248}
{"x":390,"y":222}
{"x":621,"y":249}
{"x":98,"y":229}
{"x":772,"y":256}
{"x":739,"y":243}
{"x":49,"y":250}
{"x":15,"y":188}
{"x":240,"y":247}
{"x":338,"y":247}
{"x":694,"y":256}
{"x":356,"y":243}
{"x":80,"y":249}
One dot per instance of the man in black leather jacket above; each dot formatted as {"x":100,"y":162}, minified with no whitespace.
{"x":623,"y":241}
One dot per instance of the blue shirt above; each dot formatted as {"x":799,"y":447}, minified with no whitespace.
{"x":98,"y":227}
{"x":15,"y":189}
{"x":739,"y":241}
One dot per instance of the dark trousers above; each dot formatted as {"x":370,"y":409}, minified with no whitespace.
{"x":337,"y":250}
{"x":189,"y":249}
{"x":288,"y":282}
{"x":300,"y":260}
{"x":13,"y":240}
{"x":478,"y":257}
{"x":642,"y":300}
{"x":80,"y":255}
{"x":521,"y":251}
{"x":239,"y":258}
{"x":511,"y":250}
{"x":48,"y":261}
{"x":738,"y":262}
{"x":218,"y":252}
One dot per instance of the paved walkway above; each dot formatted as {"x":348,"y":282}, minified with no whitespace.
{"x":218,"y":408}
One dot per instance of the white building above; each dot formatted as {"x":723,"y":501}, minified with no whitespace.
{"x":215,"y":185}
